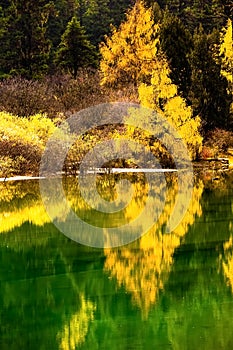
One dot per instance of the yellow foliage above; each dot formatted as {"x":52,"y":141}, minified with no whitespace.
{"x":228,"y":265}
{"x":144,"y":269}
{"x":161,"y":95}
{"x":162,"y":84}
{"x":41,"y":126}
{"x":180,"y":115}
{"x":128,"y":54}
{"x":22,"y":141}
{"x":226,"y":50}
{"x":34,"y":130}
{"x":75,"y":329}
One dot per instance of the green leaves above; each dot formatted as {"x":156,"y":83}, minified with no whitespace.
{"x":25,"y":47}
{"x":75,"y":50}
{"x":208,"y":93}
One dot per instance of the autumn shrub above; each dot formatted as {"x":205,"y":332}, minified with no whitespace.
{"x":22,"y":141}
{"x":219,"y":141}
{"x":207,"y":152}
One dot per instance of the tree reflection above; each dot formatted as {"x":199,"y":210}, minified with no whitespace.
{"x":227,"y":262}
{"x":19,"y":203}
{"x":76,"y":328}
{"x":143,"y":267}
{"x":162,"y":291}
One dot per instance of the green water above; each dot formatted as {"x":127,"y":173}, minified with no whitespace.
{"x":164,"y":291}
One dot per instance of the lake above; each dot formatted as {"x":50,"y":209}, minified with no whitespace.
{"x":162,"y":291}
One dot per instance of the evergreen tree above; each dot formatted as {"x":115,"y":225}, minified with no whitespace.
{"x":209,"y":13}
{"x":24,"y":46}
{"x":82,"y":7}
{"x":118,"y":9}
{"x":212,"y":14}
{"x":4,"y":4}
{"x":3,"y":33}
{"x":176,"y":42}
{"x":61,"y":14}
{"x":97,"y":20}
{"x":75,"y":50}
{"x":208,"y":93}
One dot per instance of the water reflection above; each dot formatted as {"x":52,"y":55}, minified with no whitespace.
{"x":162,"y":291}
{"x":144,"y":268}
{"x":89,"y":226}
{"x":75,"y":329}
{"x":20,"y":202}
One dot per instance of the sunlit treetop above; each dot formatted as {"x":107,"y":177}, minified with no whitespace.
{"x":226,"y":50}
{"x":128,"y":54}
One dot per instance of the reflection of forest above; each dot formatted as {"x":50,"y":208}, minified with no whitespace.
{"x":226,"y":258}
{"x":75,"y":330}
{"x":163,"y":286}
{"x":19,"y":203}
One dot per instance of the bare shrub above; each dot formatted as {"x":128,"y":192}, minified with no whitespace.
{"x":58,"y":94}
{"x":23,"y":97}
{"x":76,"y":94}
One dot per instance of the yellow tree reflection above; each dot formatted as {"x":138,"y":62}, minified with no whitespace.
{"x":76,"y":329}
{"x":143,"y":267}
{"x":227,"y":263}
{"x":20,"y":203}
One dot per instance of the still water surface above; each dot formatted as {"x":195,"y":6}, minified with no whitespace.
{"x":163,"y":291}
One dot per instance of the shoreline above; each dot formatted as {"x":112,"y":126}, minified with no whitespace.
{"x":197,"y":166}
{"x":20,"y":178}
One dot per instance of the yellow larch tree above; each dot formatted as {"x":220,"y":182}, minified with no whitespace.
{"x":128,"y":54}
{"x":226,"y":52}
{"x":162,"y":95}
{"x":131,"y":55}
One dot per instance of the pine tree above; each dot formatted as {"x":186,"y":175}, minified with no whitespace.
{"x":118,"y":9}
{"x":209,"y":13}
{"x":24,"y":46}
{"x":61,"y":14}
{"x":97,"y":20}
{"x":208,"y":92}
{"x":176,"y":42}
{"x":3,"y":33}
{"x":75,"y":50}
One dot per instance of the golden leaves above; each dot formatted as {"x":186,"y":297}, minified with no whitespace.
{"x":128,"y":55}
{"x":142,"y":268}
